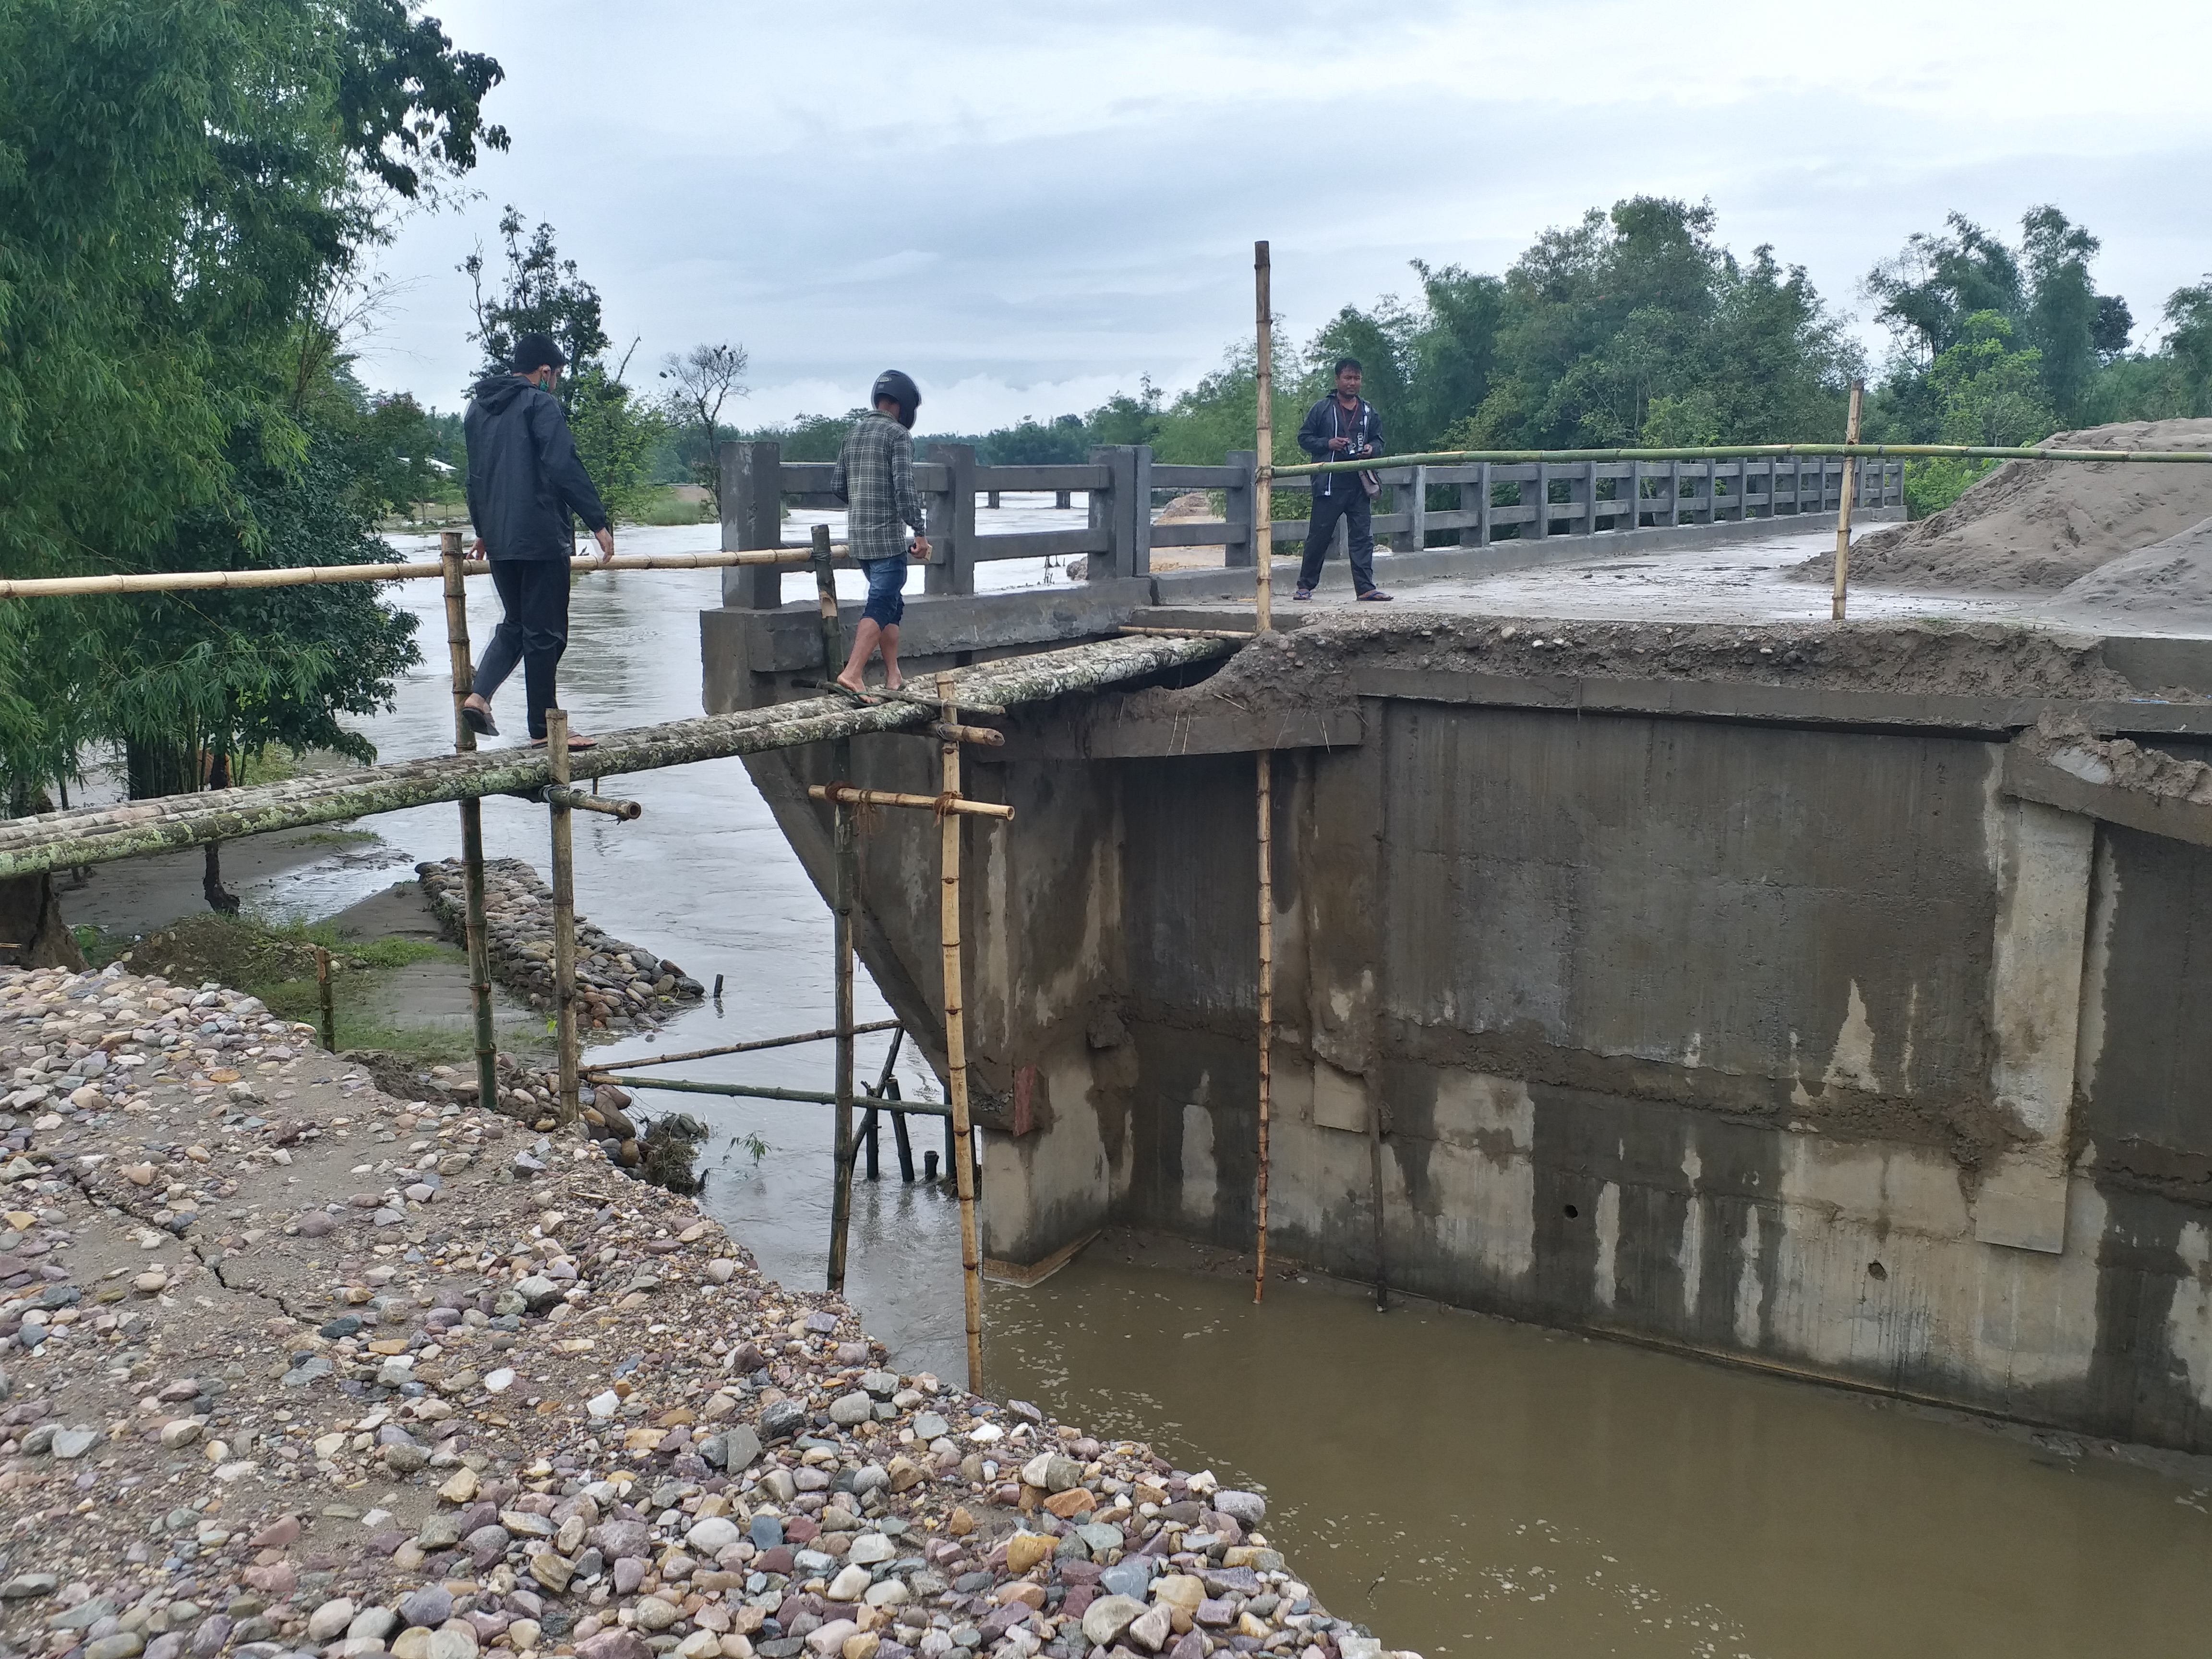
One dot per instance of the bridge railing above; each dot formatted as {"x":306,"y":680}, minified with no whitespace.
{"x":1476,"y":504}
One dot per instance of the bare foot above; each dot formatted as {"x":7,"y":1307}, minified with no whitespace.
{"x":859,"y":687}
{"x":896,"y":682}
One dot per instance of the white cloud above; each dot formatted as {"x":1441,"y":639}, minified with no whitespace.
{"x":1030,"y":207}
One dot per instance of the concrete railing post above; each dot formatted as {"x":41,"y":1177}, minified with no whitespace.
{"x":1237,"y":549}
{"x":953,"y":522}
{"x":1481,"y":486}
{"x":1140,"y":511}
{"x":1540,"y":527}
{"x":752,"y":517}
{"x":1110,"y":511}
{"x":1414,"y":493}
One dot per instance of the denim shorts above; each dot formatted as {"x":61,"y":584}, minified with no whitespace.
{"x":886,"y":591}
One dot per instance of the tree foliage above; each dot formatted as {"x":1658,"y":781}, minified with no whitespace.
{"x":187,"y":188}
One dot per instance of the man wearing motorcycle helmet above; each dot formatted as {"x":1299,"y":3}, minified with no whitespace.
{"x":874,"y":477}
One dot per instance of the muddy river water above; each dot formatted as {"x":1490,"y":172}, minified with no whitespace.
{"x":1463,"y":1484}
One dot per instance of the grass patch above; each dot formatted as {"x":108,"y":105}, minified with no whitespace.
{"x":665,"y":506}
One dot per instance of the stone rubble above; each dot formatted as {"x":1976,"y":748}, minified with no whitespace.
{"x":623,"y":986}
{"x":290,"y":1367}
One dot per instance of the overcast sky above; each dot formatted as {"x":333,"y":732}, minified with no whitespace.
{"x":1029,"y":206}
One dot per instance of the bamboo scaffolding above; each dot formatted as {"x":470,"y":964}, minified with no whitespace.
{"x":332,"y":575}
{"x":475,"y":932}
{"x":1844,"y":509}
{"x":1756,"y":452}
{"x":956,"y":1058}
{"x":564,"y":919}
{"x":89,"y":836}
{"x":844,"y":794}
{"x":754,"y":1047}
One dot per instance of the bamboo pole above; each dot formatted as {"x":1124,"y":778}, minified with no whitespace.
{"x":1755,"y":452}
{"x":329,"y":1001}
{"x":879,"y":694}
{"x":89,"y":836}
{"x":840,"y":1199}
{"x":475,"y":932}
{"x":1267,"y":761}
{"x":844,"y":794}
{"x":846,"y":840}
{"x":956,"y":1058}
{"x":1263,"y":544}
{"x":608,"y":805}
{"x":757,"y":1092}
{"x":1188,"y":633}
{"x":754,"y":1047}
{"x":1263,"y":472}
{"x":564,"y":920}
{"x":1844,"y":509}
{"x":332,"y":575}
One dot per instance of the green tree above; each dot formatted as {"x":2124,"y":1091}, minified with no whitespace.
{"x":187,"y":188}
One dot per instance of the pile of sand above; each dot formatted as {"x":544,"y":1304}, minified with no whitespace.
{"x":1191,"y":505}
{"x":2167,"y":586}
{"x":2041,"y":525}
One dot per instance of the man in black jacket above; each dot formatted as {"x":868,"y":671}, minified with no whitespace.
{"x":524,"y":482}
{"x":1341,"y":427}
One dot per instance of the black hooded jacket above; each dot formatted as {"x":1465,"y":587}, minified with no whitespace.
{"x":524,"y":475}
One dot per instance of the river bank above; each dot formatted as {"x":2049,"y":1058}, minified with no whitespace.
{"x":294,"y":1365}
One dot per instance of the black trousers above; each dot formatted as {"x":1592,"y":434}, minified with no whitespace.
{"x":533,"y":595}
{"x":1346,"y":500}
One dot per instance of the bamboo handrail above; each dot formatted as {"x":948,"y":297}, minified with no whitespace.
{"x":326,"y":575}
{"x":1748,"y":452}
{"x":99,"y":835}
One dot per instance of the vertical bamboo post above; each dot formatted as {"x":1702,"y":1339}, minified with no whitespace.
{"x":1263,"y":511}
{"x":1263,"y":506}
{"x":956,"y":1055}
{"x":840,"y":1196}
{"x":330,"y":1003}
{"x":472,"y":858}
{"x":845,"y":886}
{"x":564,"y":918}
{"x":1843,"y":508}
{"x":1266,"y":1000}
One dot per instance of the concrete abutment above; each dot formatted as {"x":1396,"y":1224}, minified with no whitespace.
{"x":1768,"y":1021}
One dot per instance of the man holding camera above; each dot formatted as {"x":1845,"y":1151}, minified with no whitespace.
{"x":1342,"y":427}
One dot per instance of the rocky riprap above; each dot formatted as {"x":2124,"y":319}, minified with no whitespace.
{"x":296,"y":1368}
{"x":622,"y":987}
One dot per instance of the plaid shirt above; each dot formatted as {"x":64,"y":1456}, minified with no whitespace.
{"x":875,"y":480}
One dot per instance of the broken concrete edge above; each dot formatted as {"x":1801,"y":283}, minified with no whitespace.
{"x":2051,"y":781}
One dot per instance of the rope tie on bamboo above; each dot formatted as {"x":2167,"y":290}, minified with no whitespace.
{"x":947,"y":803}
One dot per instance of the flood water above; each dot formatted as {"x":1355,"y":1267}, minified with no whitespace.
{"x":1464,"y":1486}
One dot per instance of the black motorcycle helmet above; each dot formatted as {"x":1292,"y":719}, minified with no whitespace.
{"x":899,"y":387}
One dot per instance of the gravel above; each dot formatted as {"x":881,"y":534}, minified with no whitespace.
{"x":348,"y":1422}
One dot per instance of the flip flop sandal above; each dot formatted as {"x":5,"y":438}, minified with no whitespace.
{"x":576,"y":745}
{"x":1375,"y":594}
{"x":1303,"y":593}
{"x":479,"y":720}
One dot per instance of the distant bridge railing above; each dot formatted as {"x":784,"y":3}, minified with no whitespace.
{"x":1426,"y":505}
